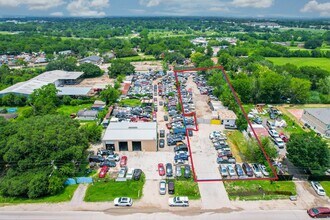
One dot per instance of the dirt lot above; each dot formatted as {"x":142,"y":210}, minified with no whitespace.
{"x":146,"y":65}
{"x":95,"y":82}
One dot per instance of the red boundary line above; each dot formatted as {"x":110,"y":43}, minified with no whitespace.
{"x":238,"y":101}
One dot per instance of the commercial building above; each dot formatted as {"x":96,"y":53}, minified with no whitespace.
{"x":57,"y":77}
{"x":227,"y":117}
{"x":318,"y":119}
{"x":131,"y":136}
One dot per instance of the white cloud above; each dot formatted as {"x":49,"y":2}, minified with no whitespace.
{"x":87,"y":8}
{"x":150,"y":3}
{"x":253,"y":3}
{"x":32,"y":4}
{"x":314,"y":6}
{"x":57,"y":14}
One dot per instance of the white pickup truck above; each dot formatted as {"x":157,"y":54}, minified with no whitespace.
{"x":178,"y":201}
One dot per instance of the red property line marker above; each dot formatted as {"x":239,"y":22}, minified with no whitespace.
{"x":238,"y":101}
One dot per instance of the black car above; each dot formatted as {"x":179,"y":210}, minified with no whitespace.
{"x":247,"y":169}
{"x":105,"y":152}
{"x":165,"y":118}
{"x":169,"y":170}
{"x":162,"y":133}
{"x":170,"y":187}
{"x":96,"y":159}
{"x":187,"y":172}
{"x":161,"y":143}
{"x":190,"y":133}
{"x":108,"y":163}
{"x":137,"y":174}
{"x":182,"y":147}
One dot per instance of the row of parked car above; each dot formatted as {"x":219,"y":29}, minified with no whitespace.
{"x":244,"y":170}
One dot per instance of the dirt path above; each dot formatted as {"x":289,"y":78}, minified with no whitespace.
{"x":79,"y":195}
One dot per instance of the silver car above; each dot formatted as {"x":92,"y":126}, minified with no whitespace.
{"x":178,"y":172}
{"x":162,"y":187}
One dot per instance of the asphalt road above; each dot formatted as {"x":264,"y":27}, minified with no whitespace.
{"x":181,"y":214}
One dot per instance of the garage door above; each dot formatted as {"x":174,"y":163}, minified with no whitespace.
{"x":136,"y":145}
{"x":123,"y":146}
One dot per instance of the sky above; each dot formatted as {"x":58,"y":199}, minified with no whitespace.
{"x":220,"y":8}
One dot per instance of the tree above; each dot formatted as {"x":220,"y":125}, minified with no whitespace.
{"x":119,"y":67}
{"x":197,"y":58}
{"x":92,"y":132}
{"x":110,"y":95}
{"x":313,"y":43}
{"x":299,"y":90}
{"x":67,"y":64}
{"x":90,"y":70}
{"x":44,"y":100}
{"x":308,"y":151}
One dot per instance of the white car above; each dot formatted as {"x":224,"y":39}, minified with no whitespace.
{"x":279,"y":142}
{"x":123,"y":201}
{"x":263,"y":170}
{"x":178,"y":201}
{"x":178,"y":172}
{"x":129,"y":173}
{"x":231,"y":170}
{"x":113,"y":157}
{"x":273,"y":133}
{"x":256,"y":170}
{"x":162,"y":187}
{"x":318,"y":188}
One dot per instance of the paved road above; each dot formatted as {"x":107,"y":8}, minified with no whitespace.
{"x":120,"y":214}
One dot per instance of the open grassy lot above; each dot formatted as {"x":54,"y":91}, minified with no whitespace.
{"x":130,"y":102}
{"x":260,"y":190}
{"x":187,"y":187}
{"x":64,"y":196}
{"x":68,"y":109}
{"x":109,"y":189}
{"x":326,"y":186}
{"x":140,"y":57}
{"x":323,"y":63}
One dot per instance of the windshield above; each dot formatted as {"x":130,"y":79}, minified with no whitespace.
{"x":315,"y":211}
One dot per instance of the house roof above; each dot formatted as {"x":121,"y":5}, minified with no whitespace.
{"x":75,"y":91}
{"x":225,"y":114}
{"x":131,"y":131}
{"x":91,"y":59}
{"x":260,"y":130}
{"x":87,"y":113}
{"x":37,"y":82}
{"x":322,"y":114}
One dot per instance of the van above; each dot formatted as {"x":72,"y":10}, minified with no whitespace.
{"x":171,"y":187}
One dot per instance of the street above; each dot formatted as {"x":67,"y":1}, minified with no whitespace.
{"x":157,"y":214}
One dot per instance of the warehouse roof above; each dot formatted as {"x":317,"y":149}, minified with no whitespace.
{"x":322,"y":114}
{"x":37,"y":82}
{"x":131,"y":131}
{"x":76,"y":91}
{"x":225,"y":114}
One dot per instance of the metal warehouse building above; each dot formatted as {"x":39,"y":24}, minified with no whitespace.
{"x":318,"y":119}
{"x":131,"y":136}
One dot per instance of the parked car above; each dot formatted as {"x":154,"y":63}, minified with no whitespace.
{"x":96,"y":159}
{"x":162,"y":187}
{"x":279,"y":142}
{"x":256,"y":170}
{"x":137,"y":174}
{"x":181,"y":156}
{"x":169,"y":170}
{"x":263,"y":170}
{"x":170,"y":187}
{"x":271,"y":125}
{"x":108,"y":163}
{"x":239,"y":170}
{"x":226,"y":160}
{"x":187,"y":172}
{"x":273,"y":133}
{"x":319,"y":212}
{"x":272,"y":116}
{"x":178,"y":172}
{"x":161,"y":143}
{"x":104,"y":152}
{"x":122,"y":172}
{"x":190,"y":133}
{"x":223,"y":171}
{"x":257,"y":120}
{"x":318,"y":188}
{"x":162,"y":133}
{"x":129,"y":174}
{"x":113,"y":157}
{"x":181,"y":148}
{"x":123,"y":201}
{"x":231,"y":171}
{"x":247,"y":169}
{"x":123,"y":161}
{"x":165,"y":118}
{"x":284,"y":137}
{"x":103,"y":171}
{"x":178,"y":201}
{"x":161,"y":169}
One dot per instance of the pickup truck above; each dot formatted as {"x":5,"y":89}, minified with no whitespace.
{"x":178,"y":201}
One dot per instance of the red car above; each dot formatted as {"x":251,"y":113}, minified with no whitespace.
{"x":319,"y":212}
{"x":161,"y":169}
{"x":103,"y":171}
{"x":284,"y":137}
{"x":123,"y":161}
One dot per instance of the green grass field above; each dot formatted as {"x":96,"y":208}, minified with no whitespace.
{"x":68,"y":109}
{"x":109,"y":189}
{"x":326,"y":186}
{"x":260,"y":190}
{"x":64,"y":196}
{"x":323,"y":63}
{"x":187,"y":187}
